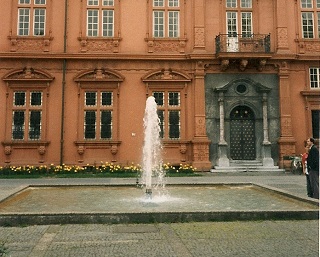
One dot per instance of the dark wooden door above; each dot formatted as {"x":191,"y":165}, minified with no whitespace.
{"x":242,"y":134}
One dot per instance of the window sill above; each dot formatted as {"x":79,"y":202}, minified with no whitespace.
{"x":311,"y":92}
{"x":23,"y":143}
{"x":10,"y":146}
{"x":82,"y":145}
{"x":97,"y":143}
{"x":308,"y":45}
{"x":99,"y":44}
{"x":169,"y":45}
{"x":26,"y":43}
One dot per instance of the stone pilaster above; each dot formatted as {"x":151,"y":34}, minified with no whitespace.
{"x":199,"y":25}
{"x":200,"y":142}
{"x":286,"y":141}
{"x":282,"y":27}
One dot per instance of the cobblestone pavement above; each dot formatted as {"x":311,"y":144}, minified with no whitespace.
{"x":196,"y":239}
{"x":251,"y":238}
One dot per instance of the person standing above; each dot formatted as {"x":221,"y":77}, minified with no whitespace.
{"x":313,"y":167}
{"x":304,"y":157}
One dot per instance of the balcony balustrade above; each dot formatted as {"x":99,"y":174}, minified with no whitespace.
{"x":242,"y":43}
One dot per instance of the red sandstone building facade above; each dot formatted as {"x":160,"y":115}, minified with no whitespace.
{"x":235,"y":80}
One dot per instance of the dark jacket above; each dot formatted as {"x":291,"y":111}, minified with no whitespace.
{"x":313,"y":159}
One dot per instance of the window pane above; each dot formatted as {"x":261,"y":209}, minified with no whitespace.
{"x":158,"y":24}
{"x":161,"y":122}
{"x":92,"y":20}
{"x":93,"y":2}
{"x":158,"y":3}
{"x":19,"y":98}
{"x":35,"y":125}
{"x":174,"y":99}
{"x":173,"y":3}
{"x":107,"y":23}
{"x":36,"y":98}
{"x":18,"y":125}
{"x":246,"y":24}
{"x":107,"y":2}
{"x":232,"y":24}
{"x":39,"y":22}
{"x":106,"y":124}
{"x":90,"y":98}
{"x":306,"y":3}
{"x":90,"y":125}
{"x":307,"y":24}
{"x":314,"y":78}
{"x":39,"y":1}
{"x":24,"y":1}
{"x":159,"y":96}
{"x":318,"y":3}
{"x":231,"y":3}
{"x":24,"y":21}
{"x":173,"y":24}
{"x":106,"y":98}
{"x":174,"y":124}
{"x":315,"y":123}
{"x":246,"y":4}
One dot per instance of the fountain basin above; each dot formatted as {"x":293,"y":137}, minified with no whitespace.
{"x":129,"y":204}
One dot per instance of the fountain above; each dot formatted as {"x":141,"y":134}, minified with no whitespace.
{"x":152,"y":159}
{"x":119,"y":203}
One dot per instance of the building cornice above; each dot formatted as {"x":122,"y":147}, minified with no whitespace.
{"x":125,"y":56}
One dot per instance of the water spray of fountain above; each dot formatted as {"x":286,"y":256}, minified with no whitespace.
{"x":152,"y":160}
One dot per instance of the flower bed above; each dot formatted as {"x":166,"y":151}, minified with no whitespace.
{"x":107,"y":169}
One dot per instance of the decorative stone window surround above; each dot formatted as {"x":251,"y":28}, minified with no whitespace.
{"x":169,"y":79}
{"x":27,"y":79}
{"x":100,"y":44}
{"x":100,"y":78}
{"x":166,"y":44}
{"x":30,"y":43}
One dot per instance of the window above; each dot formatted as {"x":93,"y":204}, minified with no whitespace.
{"x":166,"y":18}
{"x":239,"y":18}
{"x":31,"y":17}
{"x":310,"y":18}
{"x":314,"y":78}
{"x":26,"y":115}
{"x":100,"y":18}
{"x":169,"y":113}
{"x":98,"y":114}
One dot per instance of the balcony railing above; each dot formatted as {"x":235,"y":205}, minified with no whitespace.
{"x":242,"y":43}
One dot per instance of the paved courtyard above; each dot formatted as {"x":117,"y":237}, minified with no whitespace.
{"x":236,"y":238}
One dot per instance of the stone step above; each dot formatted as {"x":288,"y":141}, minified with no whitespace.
{"x":243,"y":170}
{"x":247,"y":168}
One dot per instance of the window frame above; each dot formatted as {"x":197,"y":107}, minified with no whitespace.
{"x":236,"y":7}
{"x":34,"y":25}
{"x":27,"y":109}
{"x":307,"y":8}
{"x":101,"y":9}
{"x":314,"y":78}
{"x":166,"y":109}
{"x":98,"y":108}
{"x":170,"y":25}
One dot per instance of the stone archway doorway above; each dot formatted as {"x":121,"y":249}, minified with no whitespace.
{"x":242,"y":134}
